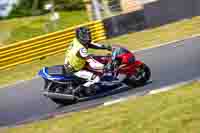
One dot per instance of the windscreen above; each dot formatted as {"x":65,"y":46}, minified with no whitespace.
{"x":118,"y":51}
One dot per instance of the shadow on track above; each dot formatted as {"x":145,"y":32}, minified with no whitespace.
{"x":113,"y":91}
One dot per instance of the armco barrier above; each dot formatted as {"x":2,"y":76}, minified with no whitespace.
{"x":46,"y":45}
{"x":124,"y":23}
{"x":162,"y":12}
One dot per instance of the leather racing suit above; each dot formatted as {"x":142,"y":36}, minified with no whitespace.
{"x":76,"y":58}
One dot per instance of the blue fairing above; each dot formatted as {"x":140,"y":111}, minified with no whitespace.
{"x":44,"y":74}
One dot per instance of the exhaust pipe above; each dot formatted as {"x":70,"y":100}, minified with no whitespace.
{"x":59,"y":96}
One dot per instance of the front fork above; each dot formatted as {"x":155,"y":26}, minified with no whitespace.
{"x":137,"y":65}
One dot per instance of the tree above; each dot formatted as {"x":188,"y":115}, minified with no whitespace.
{"x":36,"y":7}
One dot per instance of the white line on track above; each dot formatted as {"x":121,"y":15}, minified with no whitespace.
{"x":167,"y":88}
{"x":167,"y":43}
{"x":160,"y":90}
{"x":115,"y":101}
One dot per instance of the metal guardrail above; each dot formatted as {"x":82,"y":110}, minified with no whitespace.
{"x":46,"y":45}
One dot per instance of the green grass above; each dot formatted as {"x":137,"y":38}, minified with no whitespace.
{"x":134,"y":41}
{"x":18,"y":29}
{"x":176,"y":111}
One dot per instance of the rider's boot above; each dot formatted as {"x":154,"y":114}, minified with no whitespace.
{"x":95,"y":79}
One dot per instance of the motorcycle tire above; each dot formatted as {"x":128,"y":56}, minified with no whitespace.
{"x":91,"y":91}
{"x":142,"y":76}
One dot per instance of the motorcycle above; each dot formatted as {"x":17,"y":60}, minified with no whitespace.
{"x":64,"y":87}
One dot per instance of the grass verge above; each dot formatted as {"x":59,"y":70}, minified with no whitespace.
{"x":18,"y":29}
{"x":175,"y":111}
{"x":134,"y":41}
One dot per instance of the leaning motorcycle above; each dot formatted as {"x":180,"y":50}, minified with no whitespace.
{"x":64,"y":87}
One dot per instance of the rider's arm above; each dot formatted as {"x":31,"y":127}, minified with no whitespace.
{"x":83,"y":53}
{"x":99,"y":46}
{"x":93,"y":64}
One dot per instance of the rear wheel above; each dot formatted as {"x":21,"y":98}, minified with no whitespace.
{"x":92,"y":90}
{"x":83,"y":91}
{"x":52,"y":87}
{"x":59,"y":89}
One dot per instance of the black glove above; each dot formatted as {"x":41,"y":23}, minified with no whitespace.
{"x":108,"y":47}
{"x":108,"y":67}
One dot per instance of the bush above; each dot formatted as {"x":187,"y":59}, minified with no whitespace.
{"x":70,"y":4}
{"x":25,"y":7}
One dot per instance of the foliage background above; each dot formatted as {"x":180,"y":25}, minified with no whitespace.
{"x":36,"y":7}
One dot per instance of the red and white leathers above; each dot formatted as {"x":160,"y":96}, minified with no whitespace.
{"x":88,"y":75}
{"x":93,"y":64}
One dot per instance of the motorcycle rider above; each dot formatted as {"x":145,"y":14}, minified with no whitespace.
{"x":77,"y":56}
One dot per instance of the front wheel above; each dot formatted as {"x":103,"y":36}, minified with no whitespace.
{"x":141,"y":77}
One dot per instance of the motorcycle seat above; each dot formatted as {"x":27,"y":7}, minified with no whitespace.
{"x":57,"y":70}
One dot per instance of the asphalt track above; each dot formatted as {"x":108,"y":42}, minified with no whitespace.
{"x":170,"y":64}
